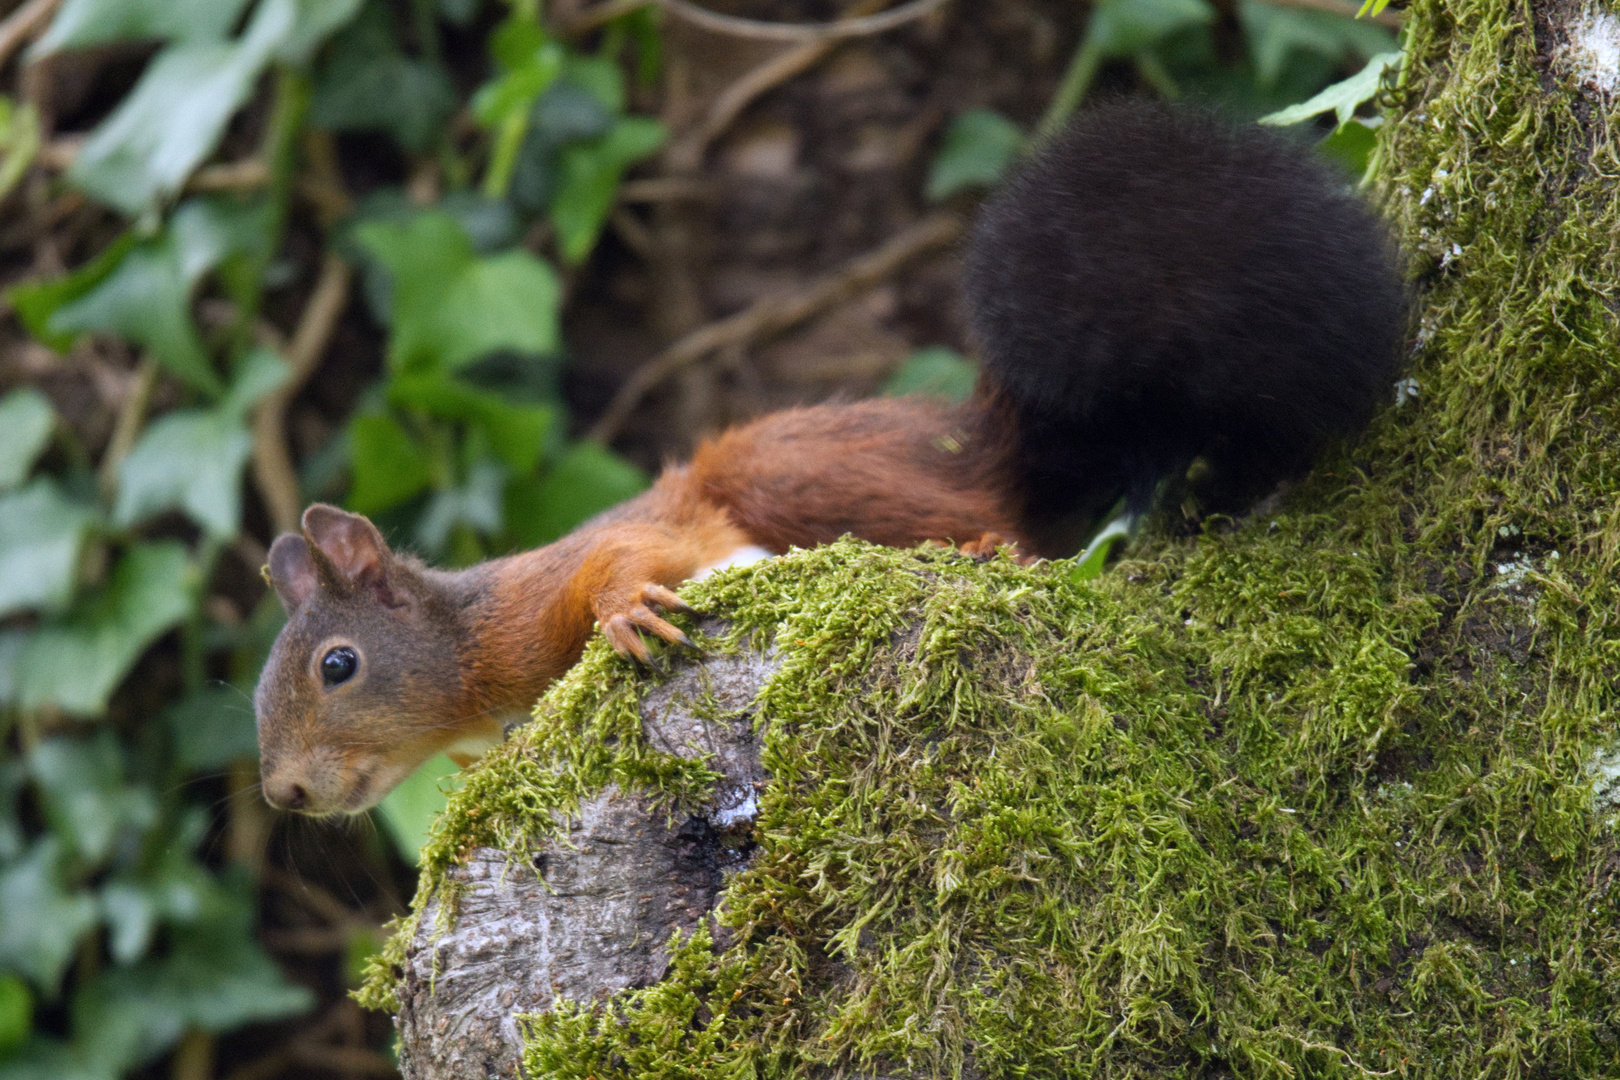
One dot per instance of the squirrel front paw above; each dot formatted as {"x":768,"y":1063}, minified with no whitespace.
{"x":623,"y":618}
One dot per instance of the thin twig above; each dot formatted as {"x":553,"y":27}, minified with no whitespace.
{"x":685,"y":154}
{"x":128,"y":425}
{"x":667,"y":189}
{"x":758,"y":30}
{"x":773,"y":315}
{"x":273,"y":470}
{"x":23,"y":24}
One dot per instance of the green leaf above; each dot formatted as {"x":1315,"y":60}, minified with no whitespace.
{"x":449,"y":306}
{"x":16,"y":1014}
{"x":1121,"y":28}
{"x":142,"y":154}
{"x":517,"y":433}
{"x":388,"y":466}
{"x":1274,"y":32}
{"x":977,"y":151}
{"x":41,"y":533}
{"x":935,"y":371}
{"x":19,"y":140}
{"x":314,"y":22}
{"x":212,"y":728}
{"x":146,"y":298}
{"x":192,"y":459}
{"x":368,"y":84}
{"x":1090,"y":562}
{"x":37,"y":301}
{"x":1351,"y":145}
{"x":477,"y":504}
{"x":214,"y":978}
{"x":45,"y":1058}
{"x":1344,"y":97}
{"x":74,"y":664}
{"x":171,"y":887}
{"x":26,"y":423}
{"x":79,"y":23}
{"x":84,"y":794}
{"x":589,"y":182}
{"x":410,"y":809}
{"x":41,"y":921}
{"x":586,"y":480}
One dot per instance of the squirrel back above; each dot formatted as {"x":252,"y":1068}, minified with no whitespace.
{"x":1157,"y":285}
{"x":1152,"y":288}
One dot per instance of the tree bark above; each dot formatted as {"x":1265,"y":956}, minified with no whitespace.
{"x":1308,"y":794}
{"x":589,"y":916}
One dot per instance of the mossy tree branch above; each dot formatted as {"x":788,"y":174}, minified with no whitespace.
{"x":1314,"y":794}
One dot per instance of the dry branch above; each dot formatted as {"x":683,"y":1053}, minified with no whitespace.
{"x":21,"y":25}
{"x":775,"y":314}
{"x":273,"y":470}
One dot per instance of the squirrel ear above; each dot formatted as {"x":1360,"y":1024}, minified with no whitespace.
{"x":291,"y":571}
{"x":353,"y":547}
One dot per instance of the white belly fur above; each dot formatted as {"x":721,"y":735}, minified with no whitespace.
{"x":748,"y":553}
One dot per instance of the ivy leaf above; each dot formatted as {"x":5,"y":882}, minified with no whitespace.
{"x":26,"y":423}
{"x":1343,"y":97}
{"x":368,"y":84}
{"x":1273,"y":32}
{"x":79,"y":23}
{"x":586,"y":480}
{"x":566,"y":113}
{"x":410,"y":809}
{"x":214,"y":978}
{"x":75,"y":663}
{"x":142,"y":154}
{"x":41,"y":533}
{"x":193,"y":458}
{"x":16,"y":1014}
{"x":45,"y":1058}
{"x":588,"y":182}
{"x":477,"y":503}
{"x":314,"y":22}
{"x":19,"y":141}
{"x":37,"y":301}
{"x":171,"y":888}
{"x":517,"y":433}
{"x":41,"y":921}
{"x":84,"y":794}
{"x":936,"y":371}
{"x":1122,"y":28}
{"x":146,"y":298}
{"x":212,"y":728}
{"x":389,"y":467}
{"x":451,"y":307}
{"x":977,"y":151}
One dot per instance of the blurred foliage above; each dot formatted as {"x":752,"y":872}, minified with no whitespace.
{"x":120,"y":928}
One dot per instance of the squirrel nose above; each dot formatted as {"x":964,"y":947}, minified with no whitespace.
{"x":286,"y":796}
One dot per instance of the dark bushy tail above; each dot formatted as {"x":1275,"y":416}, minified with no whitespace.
{"x":1158,"y":285}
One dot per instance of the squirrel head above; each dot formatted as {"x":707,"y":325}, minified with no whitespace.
{"x":363,"y":682}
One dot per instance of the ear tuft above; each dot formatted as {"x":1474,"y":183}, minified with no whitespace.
{"x":354,"y":548}
{"x":291,"y":571}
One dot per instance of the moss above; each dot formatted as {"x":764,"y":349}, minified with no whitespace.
{"x":1303,"y":796}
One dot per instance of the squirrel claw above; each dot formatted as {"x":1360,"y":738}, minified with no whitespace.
{"x":623,"y":630}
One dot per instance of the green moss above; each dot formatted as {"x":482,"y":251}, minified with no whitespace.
{"x":1305,"y":796}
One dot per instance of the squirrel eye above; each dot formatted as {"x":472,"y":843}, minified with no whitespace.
{"x":338,"y":665}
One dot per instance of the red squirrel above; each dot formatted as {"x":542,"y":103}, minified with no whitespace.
{"x":1152,"y":287}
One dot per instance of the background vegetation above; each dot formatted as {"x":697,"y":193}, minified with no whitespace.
{"x":473,"y":268}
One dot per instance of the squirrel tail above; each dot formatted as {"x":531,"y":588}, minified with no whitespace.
{"x":1157,"y":286}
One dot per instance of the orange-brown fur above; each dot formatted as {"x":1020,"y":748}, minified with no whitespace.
{"x":897,"y":472}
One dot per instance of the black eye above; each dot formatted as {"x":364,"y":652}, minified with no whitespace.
{"x":338,"y":665}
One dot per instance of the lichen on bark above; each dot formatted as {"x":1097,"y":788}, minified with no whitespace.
{"x":1309,"y":794}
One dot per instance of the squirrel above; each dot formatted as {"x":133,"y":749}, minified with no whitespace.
{"x":1154,"y":286}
